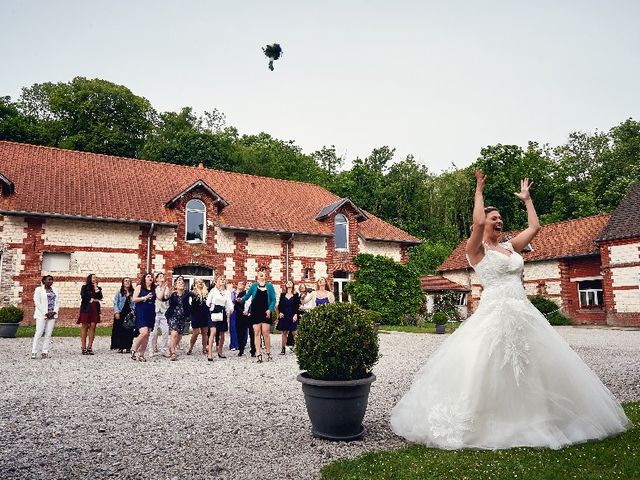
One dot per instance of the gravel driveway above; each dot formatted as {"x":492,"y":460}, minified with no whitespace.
{"x":106,"y":416}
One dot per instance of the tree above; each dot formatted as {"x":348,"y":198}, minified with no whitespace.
{"x":425,"y":258}
{"x":90,"y":115}
{"x":16,"y":126}
{"x":187,"y":139}
{"x":505,"y":166}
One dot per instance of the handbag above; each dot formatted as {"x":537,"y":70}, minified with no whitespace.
{"x":217,"y":316}
{"x":129,"y":321}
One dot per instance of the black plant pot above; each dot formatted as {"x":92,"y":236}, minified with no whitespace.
{"x":336,"y":408}
{"x":440,"y":328}
{"x":8,"y":330}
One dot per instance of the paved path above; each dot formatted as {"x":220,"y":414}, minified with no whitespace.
{"x":105,"y":416}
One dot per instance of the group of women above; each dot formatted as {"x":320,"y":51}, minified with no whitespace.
{"x":139,"y":311}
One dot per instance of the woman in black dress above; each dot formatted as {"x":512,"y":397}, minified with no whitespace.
{"x":177,"y":315}
{"x":263,"y":303}
{"x":288,"y":307}
{"x":200,"y":316}
{"x":122,"y":338}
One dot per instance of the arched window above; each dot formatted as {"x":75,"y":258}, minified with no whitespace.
{"x":196,"y":217}
{"x":341,"y":232}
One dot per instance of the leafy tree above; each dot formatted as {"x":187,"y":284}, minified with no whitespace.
{"x":187,"y":139}
{"x":425,"y":258}
{"x":505,"y":166}
{"x":386,"y":287}
{"x":16,"y":126}
{"x":89,"y":115}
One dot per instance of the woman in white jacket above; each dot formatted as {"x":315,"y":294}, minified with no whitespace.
{"x":46,"y":300}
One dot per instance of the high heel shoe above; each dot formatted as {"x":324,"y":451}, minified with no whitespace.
{"x":269,"y":357}
{"x":283,"y":351}
{"x":133,"y":355}
{"x":259,"y":360}
{"x":210,"y":359}
{"x":221,"y":355}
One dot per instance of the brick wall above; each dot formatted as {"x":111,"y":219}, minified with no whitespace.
{"x":113,"y":251}
{"x":621,"y":280}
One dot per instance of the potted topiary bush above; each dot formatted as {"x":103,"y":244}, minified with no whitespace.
{"x":337,"y":346}
{"x":10,"y":318}
{"x":440,"y":319}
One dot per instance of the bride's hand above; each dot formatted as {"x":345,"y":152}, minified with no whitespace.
{"x":481,"y":178}
{"x":525,"y":187}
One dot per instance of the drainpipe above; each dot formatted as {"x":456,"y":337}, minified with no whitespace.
{"x":151,"y":229}
{"x":287,"y":256}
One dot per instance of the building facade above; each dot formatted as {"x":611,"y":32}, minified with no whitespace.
{"x":70,"y":214}
{"x":590,"y":267}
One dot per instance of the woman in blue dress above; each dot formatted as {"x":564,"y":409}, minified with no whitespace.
{"x":288,"y":307}
{"x":144,"y":298}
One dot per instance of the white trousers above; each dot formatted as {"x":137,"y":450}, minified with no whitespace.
{"x":42,"y":327}
{"x":161,"y":323}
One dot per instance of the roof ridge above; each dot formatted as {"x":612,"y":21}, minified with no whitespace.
{"x":46,"y":147}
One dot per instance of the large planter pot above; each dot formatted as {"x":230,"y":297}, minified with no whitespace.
{"x":336,"y":408}
{"x":440,"y":328}
{"x":8,"y":330}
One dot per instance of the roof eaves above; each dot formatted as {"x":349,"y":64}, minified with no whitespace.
{"x":267,"y":230}
{"x":8,"y":187}
{"x":201,"y":184}
{"x":86,"y":217}
{"x":332,"y":207}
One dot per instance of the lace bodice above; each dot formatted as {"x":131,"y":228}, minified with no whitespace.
{"x":500,"y":274}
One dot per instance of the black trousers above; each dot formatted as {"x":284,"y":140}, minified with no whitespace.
{"x":244,"y":328}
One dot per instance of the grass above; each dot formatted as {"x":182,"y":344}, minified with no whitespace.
{"x":426,"y":328}
{"x":616,"y":458}
{"x":29,"y":331}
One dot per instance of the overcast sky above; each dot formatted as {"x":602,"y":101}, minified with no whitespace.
{"x":436,"y":79}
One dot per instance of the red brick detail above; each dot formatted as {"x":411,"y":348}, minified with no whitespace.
{"x":337,"y":260}
{"x":31,"y":275}
{"x":576,"y":268}
{"x":404,"y":253}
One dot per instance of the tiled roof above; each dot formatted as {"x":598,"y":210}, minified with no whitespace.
{"x":437,"y":283}
{"x":61,"y":182}
{"x":570,"y":238}
{"x":329,"y":209}
{"x":625,"y":220}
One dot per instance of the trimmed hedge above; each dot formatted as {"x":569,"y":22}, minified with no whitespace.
{"x":11,"y":314}
{"x":550,"y":310}
{"x":337,"y":342}
{"x":388,"y":288}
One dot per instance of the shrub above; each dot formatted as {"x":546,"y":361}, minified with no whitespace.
{"x":447,"y":302}
{"x":386,"y":287}
{"x":11,"y":314}
{"x":550,"y":310}
{"x":337,"y":342}
{"x":440,"y":318}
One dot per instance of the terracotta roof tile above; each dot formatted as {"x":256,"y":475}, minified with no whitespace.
{"x":437,"y":283}
{"x":71,"y":183}
{"x":570,"y":238}
{"x":625,"y":220}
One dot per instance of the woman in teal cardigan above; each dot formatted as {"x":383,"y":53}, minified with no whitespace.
{"x":263,"y":303}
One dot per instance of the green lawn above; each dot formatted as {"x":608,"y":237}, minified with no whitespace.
{"x":28,"y":331}
{"x":427,"y":328}
{"x":616,"y":458}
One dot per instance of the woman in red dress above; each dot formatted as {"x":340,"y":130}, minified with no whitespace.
{"x":89,"y":317}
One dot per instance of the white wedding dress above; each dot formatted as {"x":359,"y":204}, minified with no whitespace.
{"x":506,"y":378}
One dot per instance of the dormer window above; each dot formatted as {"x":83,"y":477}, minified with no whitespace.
{"x":341,"y":233}
{"x":195,"y":224}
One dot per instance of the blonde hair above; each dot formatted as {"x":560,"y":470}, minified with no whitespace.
{"x":202,"y":293}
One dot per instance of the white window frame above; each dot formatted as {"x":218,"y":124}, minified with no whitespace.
{"x":60,"y":259}
{"x":587,"y":292}
{"x":346,"y":230}
{"x":341,"y":282}
{"x":203,"y":211}
{"x":307,"y":274}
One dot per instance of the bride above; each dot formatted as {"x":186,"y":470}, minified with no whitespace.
{"x":505,"y":378}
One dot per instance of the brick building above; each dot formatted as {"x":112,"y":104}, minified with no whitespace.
{"x":590,"y":267}
{"x":69,"y":214}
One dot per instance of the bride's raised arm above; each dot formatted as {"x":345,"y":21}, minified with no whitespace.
{"x":475,"y":251}
{"x":525,"y":237}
